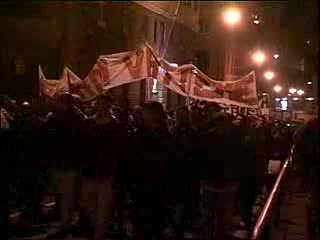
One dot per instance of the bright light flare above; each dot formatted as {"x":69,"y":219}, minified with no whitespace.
{"x":232,"y":16}
{"x":276,"y":56}
{"x":269,"y":75}
{"x":309,"y":83}
{"x":292,"y":90}
{"x":259,"y":57}
{"x":310,"y":99}
{"x":277,"y":88}
{"x":300,"y":92}
{"x":295,"y":99}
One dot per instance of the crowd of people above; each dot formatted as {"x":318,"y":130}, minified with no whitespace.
{"x":159,"y":175}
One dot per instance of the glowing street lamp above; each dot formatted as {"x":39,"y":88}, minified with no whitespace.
{"x":300,"y":92}
{"x":310,"y":99}
{"x":292,"y":90}
{"x":277,"y":88}
{"x":276,"y":56}
{"x":309,"y":83}
{"x":232,"y":16}
{"x":269,"y":75}
{"x":259,"y":57}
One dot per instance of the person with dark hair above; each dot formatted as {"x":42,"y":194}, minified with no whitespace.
{"x":307,"y":165}
{"x":106,"y":141}
{"x":154,"y":152}
{"x":66,"y":123}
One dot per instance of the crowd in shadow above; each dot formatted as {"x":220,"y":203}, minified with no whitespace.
{"x":159,"y":175}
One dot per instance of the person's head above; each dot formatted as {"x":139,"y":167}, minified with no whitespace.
{"x":137,"y":115}
{"x":276,"y":124}
{"x":102,"y":105}
{"x":64,"y":102}
{"x":251,"y":122}
{"x":119,"y":114}
{"x":25,"y":108}
{"x":182,"y":117}
{"x":259,"y":122}
{"x":195,"y":115}
{"x":153,"y":115}
{"x":237,"y":120}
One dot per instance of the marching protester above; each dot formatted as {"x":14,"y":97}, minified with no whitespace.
{"x":65,"y":124}
{"x":165,"y":184}
{"x":306,"y":162}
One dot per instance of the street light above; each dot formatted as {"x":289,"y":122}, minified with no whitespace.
{"x":259,"y":57}
{"x":300,"y":92}
{"x":292,"y":90}
{"x":269,"y":75}
{"x":310,"y":99}
{"x":232,"y":16}
{"x":277,"y":88}
{"x":276,"y":56}
{"x":309,"y":83}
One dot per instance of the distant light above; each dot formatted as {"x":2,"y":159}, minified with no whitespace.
{"x":308,"y":42}
{"x":289,"y":94}
{"x":292,"y":90}
{"x":309,"y":83}
{"x":277,"y":88}
{"x":284,"y":105}
{"x":256,"y":22}
{"x":310,"y":99}
{"x":269,"y":75}
{"x":154,"y":87}
{"x":295,"y":99}
{"x":276,"y":56}
{"x":300,"y":92}
{"x":288,"y":124}
{"x":173,"y":64}
{"x":284,"y":99}
{"x":264,"y":94}
{"x":277,"y":99}
{"x":259,"y":57}
{"x":232,"y":16}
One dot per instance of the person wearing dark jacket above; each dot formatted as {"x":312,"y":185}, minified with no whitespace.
{"x":154,"y":149}
{"x":107,"y":142}
{"x":65,"y":125}
{"x":306,"y":161}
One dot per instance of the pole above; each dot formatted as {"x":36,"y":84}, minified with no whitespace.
{"x":171,"y":28}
